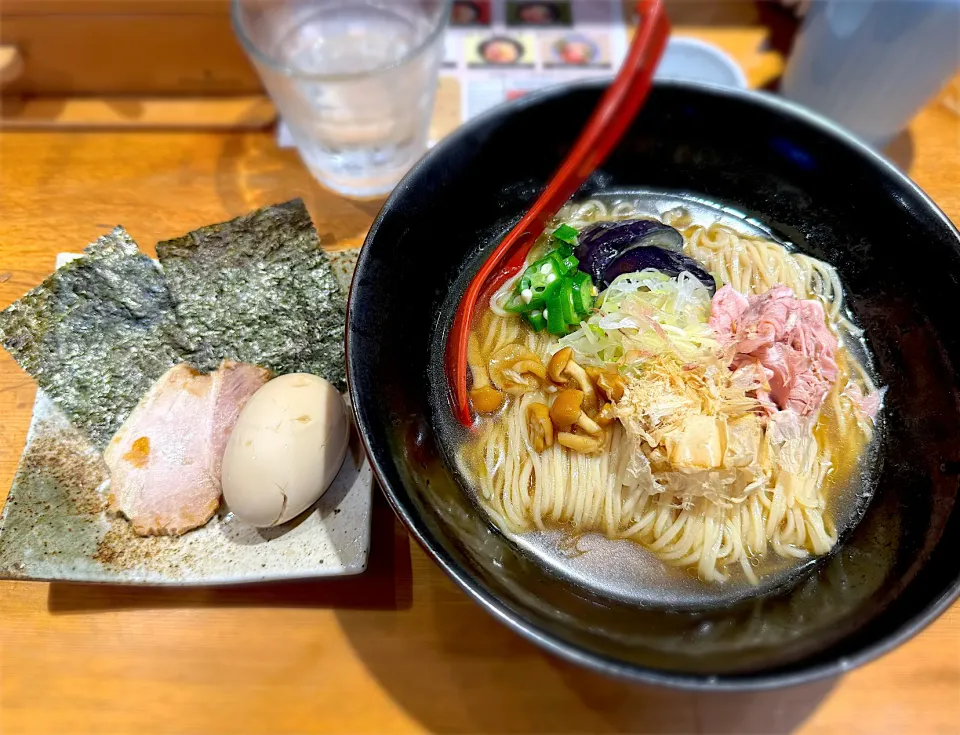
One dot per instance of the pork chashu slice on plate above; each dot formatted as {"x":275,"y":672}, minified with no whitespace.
{"x":234,"y":383}
{"x":165,"y":460}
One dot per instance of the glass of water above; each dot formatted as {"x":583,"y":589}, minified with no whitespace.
{"x":354,"y":80}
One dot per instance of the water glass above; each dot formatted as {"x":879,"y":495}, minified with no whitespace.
{"x":870,"y":65}
{"x":354,"y":80}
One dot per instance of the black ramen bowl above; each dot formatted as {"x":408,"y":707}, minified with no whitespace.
{"x":809,"y":183}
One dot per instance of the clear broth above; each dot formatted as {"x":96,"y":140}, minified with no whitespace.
{"x":623,"y":569}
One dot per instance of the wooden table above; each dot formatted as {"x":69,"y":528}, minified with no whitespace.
{"x":398,"y":649}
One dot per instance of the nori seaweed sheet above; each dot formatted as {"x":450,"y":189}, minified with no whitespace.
{"x":97,"y":333}
{"x":259,"y":289}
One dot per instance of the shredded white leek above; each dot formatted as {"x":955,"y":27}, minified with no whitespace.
{"x":645,"y":313}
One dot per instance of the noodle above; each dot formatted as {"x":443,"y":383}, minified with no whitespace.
{"x":524,"y":491}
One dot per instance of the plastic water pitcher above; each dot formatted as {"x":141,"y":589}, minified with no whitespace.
{"x":870,"y":65}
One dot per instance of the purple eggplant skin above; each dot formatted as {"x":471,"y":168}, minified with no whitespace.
{"x":665,"y":261}
{"x":600,"y":244}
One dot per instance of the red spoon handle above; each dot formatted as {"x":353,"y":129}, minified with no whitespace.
{"x":603,"y":131}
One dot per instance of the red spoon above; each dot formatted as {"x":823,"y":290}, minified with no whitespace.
{"x":603,"y":131}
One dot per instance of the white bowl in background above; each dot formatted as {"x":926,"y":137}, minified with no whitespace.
{"x":692,"y":60}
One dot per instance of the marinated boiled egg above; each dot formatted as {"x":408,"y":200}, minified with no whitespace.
{"x":286,"y":447}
